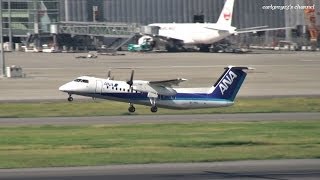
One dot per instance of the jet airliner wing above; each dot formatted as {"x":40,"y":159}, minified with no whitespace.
{"x":239,"y":31}
{"x":168,"y":83}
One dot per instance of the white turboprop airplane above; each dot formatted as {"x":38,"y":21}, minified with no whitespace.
{"x":160,"y":93}
{"x":202,"y":35}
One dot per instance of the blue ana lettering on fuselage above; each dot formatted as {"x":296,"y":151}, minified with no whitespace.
{"x":110,"y":84}
{"x":227,"y":81}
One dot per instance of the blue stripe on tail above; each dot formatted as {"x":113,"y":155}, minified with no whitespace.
{"x":229,"y":83}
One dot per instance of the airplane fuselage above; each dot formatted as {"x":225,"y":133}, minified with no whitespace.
{"x":194,"y":33}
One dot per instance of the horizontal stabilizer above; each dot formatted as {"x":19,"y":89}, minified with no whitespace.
{"x":219,"y":30}
{"x":240,"y":31}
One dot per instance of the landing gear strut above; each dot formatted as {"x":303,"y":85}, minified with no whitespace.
{"x":70,"y":98}
{"x":154,"y":107}
{"x":131,"y":108}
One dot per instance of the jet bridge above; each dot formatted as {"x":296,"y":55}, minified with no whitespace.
{"x":120,"y":32}
{"x":115,"y":30}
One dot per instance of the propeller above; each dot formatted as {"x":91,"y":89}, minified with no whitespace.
{"x":130,"y":82}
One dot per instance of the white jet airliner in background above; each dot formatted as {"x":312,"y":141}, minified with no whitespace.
{"x":202,"y":35}
{"x":160,"y":93}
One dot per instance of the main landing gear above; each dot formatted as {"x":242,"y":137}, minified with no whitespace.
{"x":131,"y":108}
{"x":154,"y":109}
{"x":70,"y":98}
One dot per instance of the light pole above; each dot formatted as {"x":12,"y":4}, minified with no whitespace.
{"x":2,"y":61}
{"x":66,"y":10}
{"x":9,"y":21}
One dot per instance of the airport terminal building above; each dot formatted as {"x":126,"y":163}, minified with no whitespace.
{"x":35,"y":16}
{"x":247,"y":13}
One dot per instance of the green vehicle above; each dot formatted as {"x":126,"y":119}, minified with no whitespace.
{"x":138,"y":47}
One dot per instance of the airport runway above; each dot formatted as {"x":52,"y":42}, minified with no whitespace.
{"x":307,"y":169}
{"x":276,"y":73}
{"x":133,"y":119}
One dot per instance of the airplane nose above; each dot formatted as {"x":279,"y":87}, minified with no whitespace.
{"x":64,"y":88}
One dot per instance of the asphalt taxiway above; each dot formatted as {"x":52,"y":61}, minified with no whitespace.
{"x":275,"y":74}
{"x":307,"y":169}
{"x":133,"y":119}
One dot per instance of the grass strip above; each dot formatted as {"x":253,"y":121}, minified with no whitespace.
{"x":47,"y":146}
{"x":106,"y":108}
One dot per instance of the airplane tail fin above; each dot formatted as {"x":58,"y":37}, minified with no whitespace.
{"x":229,"y":83}
{"x":225,"y":17}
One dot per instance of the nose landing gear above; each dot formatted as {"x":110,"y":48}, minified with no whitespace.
{"x":70,"y":98}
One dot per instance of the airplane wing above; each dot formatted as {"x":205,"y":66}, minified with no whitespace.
{"x":240,"y":31}
{"x":159,"y":87}
{"x":168,"y":83}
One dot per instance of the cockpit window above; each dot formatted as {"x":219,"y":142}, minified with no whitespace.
{"x":81,"y":80}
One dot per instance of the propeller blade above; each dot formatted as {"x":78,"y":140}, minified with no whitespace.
{"x":109,"y":74}
{"x":130,"y":82}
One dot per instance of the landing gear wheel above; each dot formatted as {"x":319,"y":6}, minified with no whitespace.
{"x":131,"y":109}
{"x":70,"y":98}
{"x":154,"y":109}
